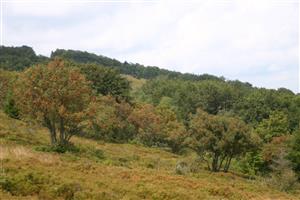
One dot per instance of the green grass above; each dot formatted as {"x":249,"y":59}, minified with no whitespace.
{"x":97,"y":170}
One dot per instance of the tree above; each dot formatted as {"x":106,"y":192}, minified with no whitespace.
{"x":107,"y":81}
{"x":10,"y":107}
{"x":276,"y":125}
{"x":55,"y":95}
{"x":173,"y":130}
{"x":275,"y":155}
{"x":158,"y":126}
{"x":108,"y":120}
{"x":6,"y":79}
{"x":219,"y":138}
{"x":148,"y":124}
{"x":7,"y":101}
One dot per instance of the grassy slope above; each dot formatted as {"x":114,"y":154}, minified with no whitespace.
{"x":108,"y":171}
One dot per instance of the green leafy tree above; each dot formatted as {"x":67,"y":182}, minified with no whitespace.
{"x":19,"y":58}
{"x":107,"y":81}
{"x":276,"y":125}
{"x":219,"y":139}
{"x":6,"y":80}
{"x":10,"y":107}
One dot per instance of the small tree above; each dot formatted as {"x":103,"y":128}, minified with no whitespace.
{"x":108,"y":120}
{"x":10,"y":106}
{"x":6,"y":81}
{"x":282,"y":176}
{"x":148,"y":124}
{"x":218,"y":139}
{"x":55,"y":95}
{"x":276,"y":125}
{"x":174,"y":131}
{"x":158,"y":126}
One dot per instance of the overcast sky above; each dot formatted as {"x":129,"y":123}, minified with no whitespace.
{"x":254,"y":41}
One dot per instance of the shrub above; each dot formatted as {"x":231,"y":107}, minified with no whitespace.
{"x":58,"y":148}
{"x":68,"y":190}
{"x":282,"y":177}
{"x":24,"y":184}
{"x":182,"y":168}
{"x":10,"y":107}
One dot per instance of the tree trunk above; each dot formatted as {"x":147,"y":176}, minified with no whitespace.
{"x":52,"y":130}
{"x":221,"y":162}
{"x":215,"y":161}
{"x":62,"y":132}
{"x":226,"y":167}
{"x":53,"y":136}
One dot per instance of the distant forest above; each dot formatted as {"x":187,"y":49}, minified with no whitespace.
{"x":18,"y":58}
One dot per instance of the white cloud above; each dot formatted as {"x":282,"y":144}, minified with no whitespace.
{"x":248,"y":40}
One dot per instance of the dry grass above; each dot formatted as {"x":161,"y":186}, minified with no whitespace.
{"x":126,"y":172}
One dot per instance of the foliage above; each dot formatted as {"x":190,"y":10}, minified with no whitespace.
{"x":158,"y":126}
{"x":10,"y":107}
{"x":6,"y":80}
{"x":55,"y":95}
{"x":294,"y":151}
{"x":173,"y":129}
{"x":252,"y":164}
{"x":108,"y":120}
{"x":106,"y":81}
{"x":24,"y":184}
{"x":136,"y":70}
{"x":19,"y":58}
{"x":283,"y":176}
{"x":148,"y":124}
{"x":276,"y":125}
{"x":220,"y":138}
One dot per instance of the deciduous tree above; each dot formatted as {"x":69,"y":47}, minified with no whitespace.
{"x":218,"y":139}
{"x":57,"y":96}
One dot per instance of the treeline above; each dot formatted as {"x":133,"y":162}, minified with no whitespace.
{"x":228,"y":124}
{"x":18,"y":58}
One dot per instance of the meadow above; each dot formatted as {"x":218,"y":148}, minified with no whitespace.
{"x":98,"y":170}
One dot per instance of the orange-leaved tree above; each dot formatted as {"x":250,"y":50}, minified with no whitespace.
{"x":56,"y":95}
{"x":158,"y":126}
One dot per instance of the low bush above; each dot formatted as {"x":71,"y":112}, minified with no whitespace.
{"x":182,"y":168}
{"x":58,"y":148}
{"x":23,"y":184}
{"x":68,"y":190}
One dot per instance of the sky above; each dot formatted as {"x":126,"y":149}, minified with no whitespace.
{"x":250,"y":40}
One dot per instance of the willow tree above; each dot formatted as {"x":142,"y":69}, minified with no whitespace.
{"x":57,"y":96}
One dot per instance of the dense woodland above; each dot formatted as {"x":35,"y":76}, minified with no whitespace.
{"x":230,"y":125}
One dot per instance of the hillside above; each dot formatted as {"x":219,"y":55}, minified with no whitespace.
{"x":97,"y":170}
{"x":19,"y":58}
